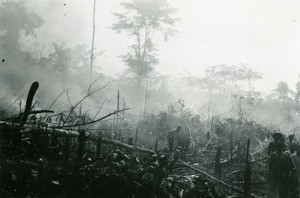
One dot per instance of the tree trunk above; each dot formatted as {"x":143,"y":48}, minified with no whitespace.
{"x":247,"y":173}
{"x":218,"y":169}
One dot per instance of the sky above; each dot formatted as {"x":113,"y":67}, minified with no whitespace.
{"x":265,"y":35}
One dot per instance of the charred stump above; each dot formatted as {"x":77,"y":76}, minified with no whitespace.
{"x":218,"y":169}
{"x":156,"y":145}
{"x":136,"y":136}
{"x":98,"y":150}
{"x":247,"y":173}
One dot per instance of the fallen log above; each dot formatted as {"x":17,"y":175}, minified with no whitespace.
{"x":126,"y":146}
{"x":89,"y":136}
{"x":234,"y":189}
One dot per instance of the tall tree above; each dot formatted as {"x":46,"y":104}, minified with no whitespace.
{"x":140,"y":20}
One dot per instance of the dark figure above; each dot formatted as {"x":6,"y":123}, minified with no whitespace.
{"x":172,"y":136}
{"x":184,"y":142}
{"x":280,"y":166}
{"x":278,"y":137}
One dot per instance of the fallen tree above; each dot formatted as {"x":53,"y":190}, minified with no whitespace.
{"x":71,"y":133}
{"x":234,"y":189}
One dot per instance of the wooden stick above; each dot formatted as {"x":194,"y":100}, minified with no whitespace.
{"x":13,"y":103}
{"x":247,"y":173}
{"x":98,"y":151}
{"x":136,"y":136}
{"x":156,"y":144}
{"x":87,"y":123}
{"x":93,"y":42}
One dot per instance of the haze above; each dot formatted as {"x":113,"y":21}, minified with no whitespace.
{"x":262,"y":34}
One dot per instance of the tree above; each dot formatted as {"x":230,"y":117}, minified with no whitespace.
{"x":226,"y":78}
{"x":141,"y":19}
{"x":283,"y":92}
{"x":70,"y":63}
{"x":229,"y":84}
{"x":61,"y":59}
{"x":16,"y":22}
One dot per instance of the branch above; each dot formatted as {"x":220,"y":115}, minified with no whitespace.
{"x":13,"y":103}
{"x":99,"y":109}
{"x":97,"y":112}
{"x":41,"y":111}
{"x":57,"y":99}
{"x":87,"y":123}
{"x":86,"y":96}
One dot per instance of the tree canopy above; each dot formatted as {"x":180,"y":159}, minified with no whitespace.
{"x":224,"y":78}
{"x":140,"y":20}
{"x":15,"y":21}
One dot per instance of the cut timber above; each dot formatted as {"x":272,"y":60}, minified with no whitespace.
{"x":234,"y":189}
{"x":126,"y":146}
{"x":88,"y":136}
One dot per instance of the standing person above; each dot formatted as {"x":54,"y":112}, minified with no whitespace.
{"x":278,"y":137}
{"x":280,"y":166}
{"x":173,"y":136}
{"x":184,"y":142}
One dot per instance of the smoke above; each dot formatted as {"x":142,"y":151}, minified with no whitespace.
{"x":61,"y":69}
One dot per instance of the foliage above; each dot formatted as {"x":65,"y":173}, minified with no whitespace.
{"x":226,"y":78}
{"x":15,"y":21}
{"x":141,"y":19}
{"x":59,"y":68}
{"x":54,"y":168}
{"x":283,"y":93}
{"x":162,"y":122}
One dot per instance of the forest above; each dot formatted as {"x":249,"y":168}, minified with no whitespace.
{"x":67,"y":129}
